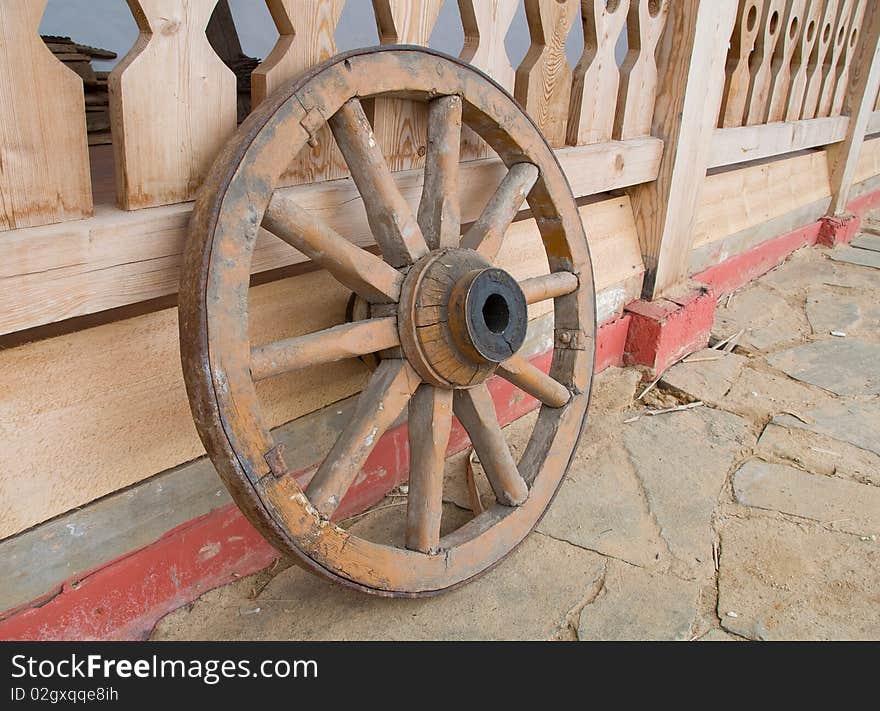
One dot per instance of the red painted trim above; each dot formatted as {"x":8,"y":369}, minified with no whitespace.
{"x":864,"y":203}
{"x":737,"y":271}
{"x":610,"y":343}
{"x":126,"y":597}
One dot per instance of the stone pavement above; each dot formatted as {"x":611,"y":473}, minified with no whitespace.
{"x":755,"y":515}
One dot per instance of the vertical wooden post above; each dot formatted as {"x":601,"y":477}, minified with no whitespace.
{"x":306,"y":37}
{"x":543,"y":80}
{"x":44,"y":159}
{"x":401,"y":126}
{"x":691,"y":60}
{"x":858,"y":103}
{"x":172,"y":104}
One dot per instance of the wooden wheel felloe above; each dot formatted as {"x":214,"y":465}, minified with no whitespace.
{"x":435,"y":312}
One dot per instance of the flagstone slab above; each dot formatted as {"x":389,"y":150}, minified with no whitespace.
{"x":864,"y":241}
{"x":844,"y":366}
{"x":854,"y":255}
{"x":855,"y":422}
{"x":837,"y":503}
{"x":782,"y":581}
{"x":637,"y":605}
{"x":843,"y":311}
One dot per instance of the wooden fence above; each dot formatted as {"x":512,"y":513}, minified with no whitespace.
{"x":702,"y":86}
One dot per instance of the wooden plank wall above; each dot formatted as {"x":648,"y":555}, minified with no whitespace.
{"x":108,"y":402}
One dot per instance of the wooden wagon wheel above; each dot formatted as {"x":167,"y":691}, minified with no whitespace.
{"x":441,"y":318}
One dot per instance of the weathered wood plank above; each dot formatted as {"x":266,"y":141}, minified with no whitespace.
{"x":401,"y":126}
{"x":44,"y":160}
{"x":306,"y":38}
{"x":738,"y":69}
{"x":486,"y":24}
{"x":761,"y":62}
{"x":169,"y":117}
{"x":838,"y":46}
{"x":818,"y":59}
{"x":792,"y":29}
{"x":800,"y":63}
{"x":52,"y":273}
{"x":543,"y":79}
{"x":638,"y":73}
{"x":596,"y":78}
{"x":745,"y":143}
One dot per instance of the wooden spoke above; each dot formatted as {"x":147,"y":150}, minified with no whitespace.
{"x":549,"y":286}
{"x":487,"y":233}
{"x":349,"y":340}
{"x":391,"y":220}
{"x":476,"y":412}
{"x":378,"y":406}
{"x":362,"y":272}
{"x":439,"y":215}
{"x":430,"y":423}
{"x":534,"y":381}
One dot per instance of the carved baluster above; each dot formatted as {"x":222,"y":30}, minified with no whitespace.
{"x":44,"y":159}
{"x":173,"y":104}
{"x":829,"y":73}
{"x":306,"y":29}
{"x":596,"y":78}
{"x":486,"y":24}
{"x":745,"y":33}
{"x":818,"y":58}
{"x":791,"y":34}
{"x":855,"y":29}
{"x":543,"y":80}
{"x":800,"y":61}
{"x":638,"y":75}
{"x":761,"y":64}
{"x":401,"y":126}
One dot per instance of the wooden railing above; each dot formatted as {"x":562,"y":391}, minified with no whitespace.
{"x":792,"y":78}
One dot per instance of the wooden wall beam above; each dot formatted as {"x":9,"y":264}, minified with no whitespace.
{"x":746,"y":143}
{"x":858,"y":103}
{"x":117,"y":258}
{"x":691,"y":60}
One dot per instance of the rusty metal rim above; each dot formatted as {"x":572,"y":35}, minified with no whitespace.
{"x":255,"y":507}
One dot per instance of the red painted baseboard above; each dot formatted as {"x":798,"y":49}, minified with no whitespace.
{"x":737,"y":271}
{"x":126,"y":597}
{"x":743,"y":268}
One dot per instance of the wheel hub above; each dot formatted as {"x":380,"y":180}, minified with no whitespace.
{"x":459,"y":317}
